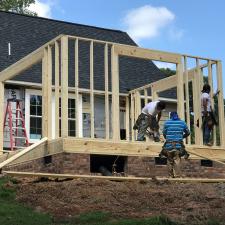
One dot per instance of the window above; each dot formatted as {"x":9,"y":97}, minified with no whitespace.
{"x":71,"y":117}
{"x":35,"y":116}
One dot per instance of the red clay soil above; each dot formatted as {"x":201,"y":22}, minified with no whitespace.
{"x":130,"y":199}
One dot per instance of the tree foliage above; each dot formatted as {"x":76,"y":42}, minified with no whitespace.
{"x":168,"y":71}
{"x":18,"y":6}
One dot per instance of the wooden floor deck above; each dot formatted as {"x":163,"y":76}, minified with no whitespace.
{"x":104,"y":147}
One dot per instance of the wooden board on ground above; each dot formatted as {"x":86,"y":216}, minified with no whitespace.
{"x":114,"y":178}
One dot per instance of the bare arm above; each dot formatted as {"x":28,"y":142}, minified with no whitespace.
{"x":159,"y":116}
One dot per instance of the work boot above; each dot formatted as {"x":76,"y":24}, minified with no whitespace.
{"x":135,"y":127}
{"x":156,"y":139}
{"x":186,"y":156}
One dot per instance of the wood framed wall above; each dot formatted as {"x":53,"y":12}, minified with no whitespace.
{"x":112,"y":95}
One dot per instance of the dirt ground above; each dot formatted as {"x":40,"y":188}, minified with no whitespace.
{"x":131,"y":199}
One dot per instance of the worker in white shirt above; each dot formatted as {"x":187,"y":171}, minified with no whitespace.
{"x":208,"y":117}
{"x":149,"y":119}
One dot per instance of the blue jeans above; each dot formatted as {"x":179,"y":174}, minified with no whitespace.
{"x":206,"y":133}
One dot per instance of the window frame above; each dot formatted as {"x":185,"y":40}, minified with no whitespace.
{"x":29,"y":92}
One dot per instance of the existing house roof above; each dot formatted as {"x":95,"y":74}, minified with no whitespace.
{"x":27,"y":33}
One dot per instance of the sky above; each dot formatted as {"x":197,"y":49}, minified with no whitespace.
{"x":195,"y":27}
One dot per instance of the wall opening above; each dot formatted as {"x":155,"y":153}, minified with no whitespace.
{"x":206,"y":163}
{"x":107,"y":164}
{"x":160,"y":161}
{"x":47,"y":159}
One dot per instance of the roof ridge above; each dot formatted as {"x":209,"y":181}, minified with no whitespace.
{"x":61,"y":21}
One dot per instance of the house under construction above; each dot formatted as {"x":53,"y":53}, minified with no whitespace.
{"x":80,"y":110}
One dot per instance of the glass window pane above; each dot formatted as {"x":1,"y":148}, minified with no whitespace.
{"x":71,"y":103}
{"x":71,"y":113}
{"x":72,"y":125}
{"x":39,"y":100}
{"x":32,"y":122}
{"x":39,"y":122}
{"x":32,"y":100}
{"x":32,"y":110}
{"x":39,"y":110}
{"x":35,"y":116}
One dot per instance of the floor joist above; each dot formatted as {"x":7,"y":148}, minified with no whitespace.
{"x":114,"y":178}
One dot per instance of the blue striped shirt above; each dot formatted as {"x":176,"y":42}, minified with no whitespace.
{"x":174,"y":131}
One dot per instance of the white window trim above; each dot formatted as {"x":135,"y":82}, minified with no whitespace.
{"x":28,"y":93}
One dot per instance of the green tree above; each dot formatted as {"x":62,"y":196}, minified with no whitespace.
{"x":18,"y":6}
{"x":168,"y":71}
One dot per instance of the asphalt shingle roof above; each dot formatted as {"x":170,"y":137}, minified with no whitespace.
{"x":27,"y":33}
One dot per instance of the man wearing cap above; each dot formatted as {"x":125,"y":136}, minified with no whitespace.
{"x":174,"y":131}
{"x":149,"y":118}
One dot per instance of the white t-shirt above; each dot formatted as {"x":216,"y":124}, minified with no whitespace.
{"x":151,"y":109}
{"x":208,"y":99}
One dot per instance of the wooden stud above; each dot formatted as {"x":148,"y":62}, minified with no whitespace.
{"x":138,"y":99}
{"x":47,"y":93}
{"x":56,"y":89}
{"x":199,"y":80}
{"x":64,"y":86}
{"x":91,"y":89}
{"x":210,"y":81}
{"x":187,"y":97}
{"x":106,"y":67}
{"x":115,"y":95}
{"x":127,"y":118}
{"x":220,"y":103}
{"x":180,"y":91}
{"x":78,"y":125}
{"x":132,"y":117}
{"x":2,"y":107}
{"x":196,"y":108}
{"x":146,"y":95}
{"x":154,"y":94}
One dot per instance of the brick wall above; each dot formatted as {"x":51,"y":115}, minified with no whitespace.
{"x":143,"y":166}
{"x":135,"y":166}
{"x":60,"y":163}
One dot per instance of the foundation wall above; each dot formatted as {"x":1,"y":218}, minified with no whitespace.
{"x":134,"y":166}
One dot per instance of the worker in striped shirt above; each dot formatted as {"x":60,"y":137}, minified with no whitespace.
{"x":174,"y":131}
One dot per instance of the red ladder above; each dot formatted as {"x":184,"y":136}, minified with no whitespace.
{"x":16,"y":124}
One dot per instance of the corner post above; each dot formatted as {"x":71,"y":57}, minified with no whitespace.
{"x":47,"y":93}
{"x":64,"y":86}
{"x":220,"y":102}
{"x":115,"y":95}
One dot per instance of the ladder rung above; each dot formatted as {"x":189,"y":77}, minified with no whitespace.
{"x":19,"y":128}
